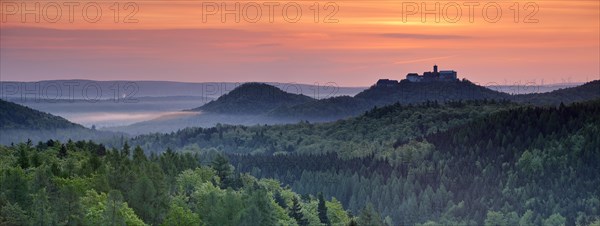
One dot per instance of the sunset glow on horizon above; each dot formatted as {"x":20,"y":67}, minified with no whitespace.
{"x":351,"y":43}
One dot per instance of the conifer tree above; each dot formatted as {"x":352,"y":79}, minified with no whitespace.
{"x":296,"y":212}
{"x":223,"y":169}
{"x":322,"y":209}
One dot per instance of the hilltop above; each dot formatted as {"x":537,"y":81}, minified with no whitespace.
{"x":585,"y":92}
{"x":406,"y":92}
{"x":386,"y":92}
{"x":19,"y":124}
{"x":15,"y":116}
{"x":253,"y":98}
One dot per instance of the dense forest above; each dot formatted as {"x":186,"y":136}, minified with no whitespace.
{"x":84,"y":183}
{"x":492,"y":163}
{"x":376,"y":131}
{"x":539,"y":166}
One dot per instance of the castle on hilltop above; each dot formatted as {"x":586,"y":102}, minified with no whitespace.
{"x":431,"y":76}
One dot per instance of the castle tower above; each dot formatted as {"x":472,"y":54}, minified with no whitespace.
{"x":435,"y":69}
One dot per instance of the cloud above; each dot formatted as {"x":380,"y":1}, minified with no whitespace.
{"x":421,"y":36}
{"x":268,"y":45}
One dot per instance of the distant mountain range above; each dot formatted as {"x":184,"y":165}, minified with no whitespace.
{"x":260,"y":103}
{"x":86,"y":89}
{"x":127,"y":90}
{"x":256,"y":103}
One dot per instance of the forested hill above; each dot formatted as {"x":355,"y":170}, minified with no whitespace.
{"x":253,"y":98}
{"x":23,"y":124}
{"x":329,"y":109}
{"x":15,"y":116}
{"x":270,"y":101}
{"x":383,"y":94}
{"x":523,"y":166}
{"x":373,"y":132}
{"x":406,"y":92}
{"x":538,"y":163}
{"x":585,"y":92}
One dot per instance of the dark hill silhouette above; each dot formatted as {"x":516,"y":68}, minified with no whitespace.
{"x":386,"y":93}
{"x":20,"y":124}
{"x":14,"y":116}
{"x":406,"y":92}
{"x":585,"y":92}
{"x":253,"y":98}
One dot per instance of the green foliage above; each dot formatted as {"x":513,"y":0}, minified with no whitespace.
{"x":103,"y":209}
{"x":13,"y":214}
{"x":495,"y":219}
{"x":595,"y":223}
{"x":475,"y":163}
{"x":180,"y":215}
{"x":296,"y":212}
{"x":524,"y":163}
{"x":378,"y":131}
{"x":369,"y":217}
{"x":223,"y":170}
{"x":260,"y":209}
{"x":336,"y":213}
{"x":555,"y":220}
{"x":527,"y":219}
{"x":322,"y":209}
{"x":123,"y":189}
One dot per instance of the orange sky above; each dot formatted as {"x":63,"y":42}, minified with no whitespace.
{"x":169,"y":40}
